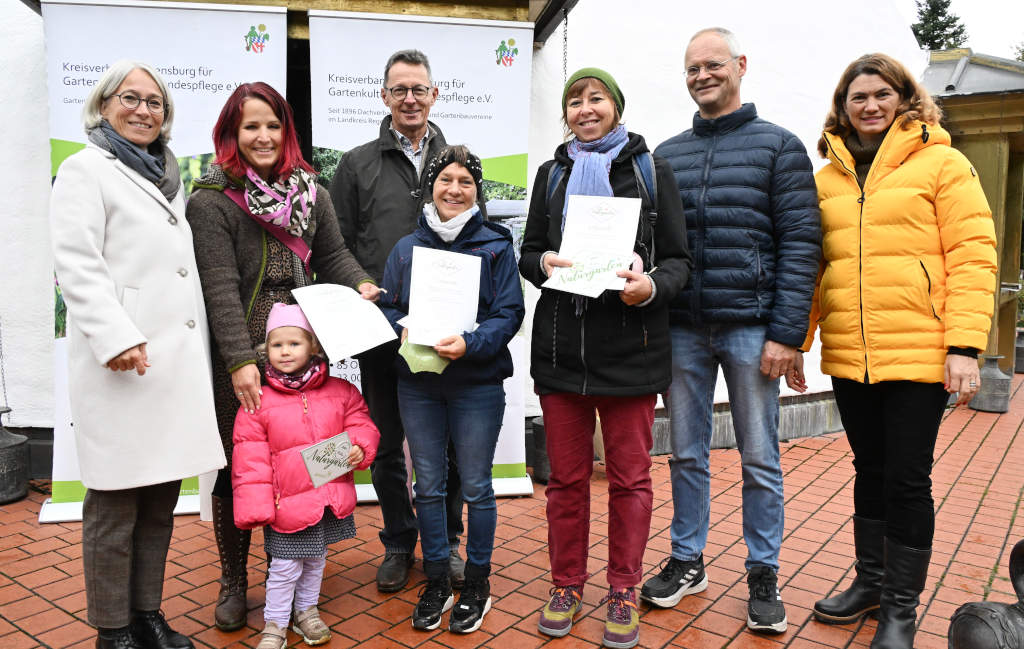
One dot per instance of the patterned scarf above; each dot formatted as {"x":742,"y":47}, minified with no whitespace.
{"x":286,"y":205}
{"x":592,"y":162}
{"x":299,"y":379}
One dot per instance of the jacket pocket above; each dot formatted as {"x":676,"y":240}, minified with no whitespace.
{"x":930,"y":306}
{"x":130,"y":301}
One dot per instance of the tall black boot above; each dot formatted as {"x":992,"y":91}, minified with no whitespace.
{"x":863,"y":595}
{"x":906,"y":570}
{"x":233,"y":546}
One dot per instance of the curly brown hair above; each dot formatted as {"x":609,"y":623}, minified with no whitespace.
{"x":915,"y":102}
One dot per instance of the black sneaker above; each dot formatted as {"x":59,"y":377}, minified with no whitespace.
{"x":765,"y":612}
{"x":677,"y":578}
{"x":435,"y":599}
{"x":474,"y":602}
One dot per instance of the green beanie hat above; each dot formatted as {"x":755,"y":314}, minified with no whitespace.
{"x":602,"y":76}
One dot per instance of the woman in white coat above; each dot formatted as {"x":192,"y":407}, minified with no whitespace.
{"x":141,"y":396}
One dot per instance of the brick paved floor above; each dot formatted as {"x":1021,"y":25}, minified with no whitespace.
{"x":978,"y":486}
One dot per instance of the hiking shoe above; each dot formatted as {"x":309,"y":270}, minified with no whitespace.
{"x":557,"y":616}
{"x":393,"y":573}
{"x":474,"y":602}
{"x":309,"y":625}
{"x":765,"y":612}
{"x":435,"y":599}
{"x":456,"y":568}
{"x":273,"y":637}
{"x":677,"y":578}
{"x":622,"y":624}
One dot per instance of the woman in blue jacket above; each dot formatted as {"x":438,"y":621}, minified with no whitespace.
{"x":465,"y":401}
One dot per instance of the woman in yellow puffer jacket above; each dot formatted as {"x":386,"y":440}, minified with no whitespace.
{"x":904,"y":303}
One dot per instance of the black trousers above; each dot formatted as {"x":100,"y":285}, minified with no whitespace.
{"x":380,"y":389}
{"x":125,"y":536}
{"x":892,"y":427}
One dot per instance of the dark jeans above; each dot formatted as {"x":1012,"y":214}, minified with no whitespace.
{"x":891,"y":427}
{"x":380,"y":389}
{"x":438,"y":415}
{"x":125,"y":536}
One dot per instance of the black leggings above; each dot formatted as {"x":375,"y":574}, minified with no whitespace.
{"x":891,"y":427}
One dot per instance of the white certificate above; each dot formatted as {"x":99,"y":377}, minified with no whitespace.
{"x":598,"y":240}
{"x":444,"y":293}
{"x":328,"y":459}
{"x":344,"y":322}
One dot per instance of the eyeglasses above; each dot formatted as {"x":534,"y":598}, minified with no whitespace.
{"x":131,"y":101}
{"x":711,"y":67}
{"x":400,"y":92}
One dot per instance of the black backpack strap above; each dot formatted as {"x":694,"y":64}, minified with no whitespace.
{"x":647,"y":185}
{"x":555,"y":174}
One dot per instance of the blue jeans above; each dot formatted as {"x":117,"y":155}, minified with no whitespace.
{"x":470,"y":417}
{"x":697,"y":352}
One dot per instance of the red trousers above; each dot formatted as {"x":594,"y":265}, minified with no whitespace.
{"x":626,"y":422}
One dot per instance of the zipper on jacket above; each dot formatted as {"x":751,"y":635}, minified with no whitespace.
{"x":928,"y":278}
{"x":259,"y":280}
{"x":583,"y":355}
{"x":305,"y":404}
{"x":699,"y":252}
{"x":860,"y":250}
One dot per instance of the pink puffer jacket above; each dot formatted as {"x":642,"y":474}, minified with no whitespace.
{"x":270,"y":480}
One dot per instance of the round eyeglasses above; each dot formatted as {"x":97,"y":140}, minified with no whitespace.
{"x":131,"y":101}
{"x":711,"y":67}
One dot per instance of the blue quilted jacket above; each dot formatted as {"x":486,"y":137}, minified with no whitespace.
{"x":753,"y":224}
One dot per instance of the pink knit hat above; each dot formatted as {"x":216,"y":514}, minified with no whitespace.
{"x":287,"y":315}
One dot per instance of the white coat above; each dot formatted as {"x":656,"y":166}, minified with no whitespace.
{"x":124,"y":260}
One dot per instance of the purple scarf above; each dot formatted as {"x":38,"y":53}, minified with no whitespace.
{"x":592,"y":162}
{"x":299,"y":379}
{"x":286,"y":205}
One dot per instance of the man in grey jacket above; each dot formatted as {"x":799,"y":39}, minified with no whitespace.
{"x":755,"y":234}
{"x":376,"y":193}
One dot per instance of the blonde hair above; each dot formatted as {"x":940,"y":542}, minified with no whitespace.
{"x":915,"y":102}
{"x":92,"y":112}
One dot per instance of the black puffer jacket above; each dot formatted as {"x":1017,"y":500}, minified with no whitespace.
{"x":611,"y":348}
{"x":377,"y":194}
{"x":752,"y":217}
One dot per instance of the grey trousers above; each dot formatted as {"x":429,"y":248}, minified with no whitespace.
{"x":125,"y":536}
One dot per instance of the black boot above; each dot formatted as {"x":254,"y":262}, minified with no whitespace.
{"x":152,"y":630}
{"x":906,"y":570}
{"x":863,"y":595}
{"x":233,"y":546}
{"x":474,"y":602}
{"x":121,"y":638}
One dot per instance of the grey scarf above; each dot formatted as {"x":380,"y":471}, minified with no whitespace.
{"x":157,"y":165}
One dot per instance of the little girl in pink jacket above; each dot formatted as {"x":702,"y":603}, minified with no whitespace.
{"x":301,"y":405}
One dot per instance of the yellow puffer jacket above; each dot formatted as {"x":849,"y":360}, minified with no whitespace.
{"x":909,"y":265}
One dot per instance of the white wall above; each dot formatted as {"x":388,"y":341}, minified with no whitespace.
{"x":796,"y":50}
{"x":26,"y":292}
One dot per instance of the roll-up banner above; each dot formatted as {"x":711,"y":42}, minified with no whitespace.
{"x":203,"y":52}
{"x":482,"y":71}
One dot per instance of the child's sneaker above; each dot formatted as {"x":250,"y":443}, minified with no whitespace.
{"x":309,"y":625}
{"x":557,"y":616}
{"x":622,"y":625}
{"x":274,"y":637}
{"x":474,"y":602}
{"x":435,"y":599}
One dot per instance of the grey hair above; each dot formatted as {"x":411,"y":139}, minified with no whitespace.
{"x":412,"y":57}
{"x":108,"y":85}
{"x":730,"y":39}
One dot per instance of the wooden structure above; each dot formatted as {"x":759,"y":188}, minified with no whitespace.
{"x":983,"y":101}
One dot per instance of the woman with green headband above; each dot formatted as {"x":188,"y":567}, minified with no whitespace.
{"x":607,"y":355}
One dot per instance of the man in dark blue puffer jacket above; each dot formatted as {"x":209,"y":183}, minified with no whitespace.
{"x":755,"y":234}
